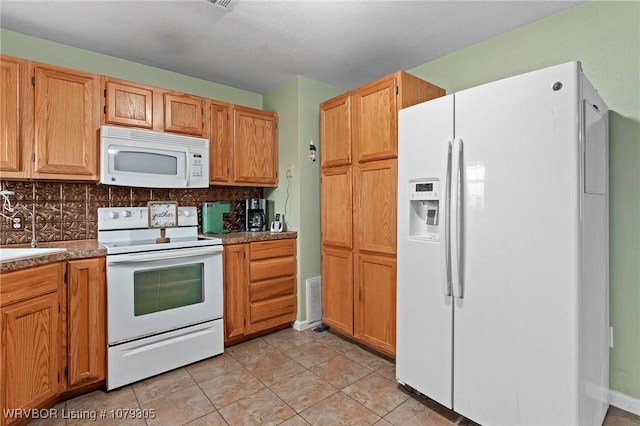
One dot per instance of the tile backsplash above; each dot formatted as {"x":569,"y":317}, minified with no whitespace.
{"x":68,"y":211}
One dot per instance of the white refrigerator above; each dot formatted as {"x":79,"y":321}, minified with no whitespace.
{"x":502,"y":277}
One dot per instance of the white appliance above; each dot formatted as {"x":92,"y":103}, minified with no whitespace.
{"x":144,"y":158}
{"x":502,"y":282}
{"x":164,"y":300}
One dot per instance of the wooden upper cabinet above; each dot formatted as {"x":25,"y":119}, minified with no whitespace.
{"x":375,"y":127}
{"x":219,"y":134}
{"x":128,"y":104}
{"x":377,"y":209}
{"x":66,"y":123}
{"x":11,"y":75}
{"x":255,"y":147}
{"x":148,"y":107}
{"x":183,"y":114}
{"x":335,"y":131}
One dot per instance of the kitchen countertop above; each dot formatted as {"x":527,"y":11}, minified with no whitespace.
{"x":76,"y":249}
{"x":249,"y":237}
{"x":82,"y":249}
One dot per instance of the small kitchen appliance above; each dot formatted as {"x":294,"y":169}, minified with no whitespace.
{"x":256,"y":214}
{"x":149,"y":159}
{"x":164,"y":301}
{"x":213,"y":216}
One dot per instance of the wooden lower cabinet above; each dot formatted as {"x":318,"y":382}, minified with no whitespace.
{"x":375,"y":309}
{"x":235,"y":291}
{"x":53,"y":335}
{"x":85,"y":322}
{"x":30,"y":327}
{"x":259,"y":287}
{"x":337,"y":289}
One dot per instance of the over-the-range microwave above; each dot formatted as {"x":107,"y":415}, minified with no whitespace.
{"x":145,"y":158}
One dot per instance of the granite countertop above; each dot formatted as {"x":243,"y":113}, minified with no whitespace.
{"x":82,"y":249}
{"x":76,"y":249}
{"x":249,"y":237}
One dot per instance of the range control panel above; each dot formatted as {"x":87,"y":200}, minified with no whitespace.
{"x":138,"y":217}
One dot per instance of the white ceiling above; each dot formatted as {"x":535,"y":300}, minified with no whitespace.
{"x":260,"y":44}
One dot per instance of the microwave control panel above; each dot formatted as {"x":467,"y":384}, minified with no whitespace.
{"x":197,"y":166}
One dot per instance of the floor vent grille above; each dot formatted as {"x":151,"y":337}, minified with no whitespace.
{"x":314,"y":299}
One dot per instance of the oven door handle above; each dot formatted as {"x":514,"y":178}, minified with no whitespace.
{"x":162,"y":255}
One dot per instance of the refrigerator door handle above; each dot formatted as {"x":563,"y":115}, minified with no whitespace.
{"x":445,"y":246}
{"x":457,"y":252}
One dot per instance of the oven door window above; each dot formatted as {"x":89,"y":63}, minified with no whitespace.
{"x":161,"y":289}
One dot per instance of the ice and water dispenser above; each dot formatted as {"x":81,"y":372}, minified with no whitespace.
{"x":424,"y":196}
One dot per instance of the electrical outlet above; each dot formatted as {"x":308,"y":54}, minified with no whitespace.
{"x":290,"y":170}
{"x":18,"y":223}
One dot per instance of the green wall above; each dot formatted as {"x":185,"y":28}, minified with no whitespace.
{"x":296,"y":103}
{"x":605,"y":37}
{"x":23,"y":46}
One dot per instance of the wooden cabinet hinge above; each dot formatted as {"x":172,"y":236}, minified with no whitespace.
{"x":105,"y":93}
{"x":58,"y":377}
{"x":59,"y":309}
{"x":33,"y":81}
{"x":104,"y":110}
{"x":66,"y":372}
{"x":33,"y":157}
{"x":397,"y":90}
{"x":65,"y":277}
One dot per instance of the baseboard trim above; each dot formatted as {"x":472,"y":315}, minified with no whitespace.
{"x":624,"y":402}
{"x":303,"y":325}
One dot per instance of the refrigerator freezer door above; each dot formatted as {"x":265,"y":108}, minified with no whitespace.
{"x":516,"y":344}
{"x":424,"y":314}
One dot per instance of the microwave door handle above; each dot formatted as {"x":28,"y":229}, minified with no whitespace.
{"x":188,"y":168}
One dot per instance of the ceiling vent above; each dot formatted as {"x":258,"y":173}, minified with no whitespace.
{"x":226,"y":5}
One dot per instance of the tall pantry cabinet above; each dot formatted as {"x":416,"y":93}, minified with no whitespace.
{"x":359,"y":148}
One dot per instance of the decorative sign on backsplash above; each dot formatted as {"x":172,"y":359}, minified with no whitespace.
{"x":163,"y":214}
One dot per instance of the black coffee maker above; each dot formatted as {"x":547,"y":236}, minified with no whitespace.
{"x":256,"y":214}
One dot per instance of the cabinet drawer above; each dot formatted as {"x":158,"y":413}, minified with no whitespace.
{"x":272,"y":288}
{"x":272,"y":268}
{"x":273,"y":308}
{"x":271,"y":249}
{"x":31,"y":282}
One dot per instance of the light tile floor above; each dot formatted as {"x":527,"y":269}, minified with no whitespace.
{"x":288,"y":378}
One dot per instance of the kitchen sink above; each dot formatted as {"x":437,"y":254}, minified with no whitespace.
{"x":21,"y":253}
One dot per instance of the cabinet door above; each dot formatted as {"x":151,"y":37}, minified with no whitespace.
{"x":11,"y":73}
{"x":255,"y":149}
{"x":219,"y":142}
{"x":337,"y":289}
{"x":375,"y":129}
{"x":376,"y":187}
{"x":335,"y":131}
{"x":86,"y":339}
{"x":183,"y":114}
{"x":66,"y":123}
{"x":128,"y":104}
{"x":236,"y":287}
{"x":30,"y":355}
{"x":376,"y":302}
{"x":336,"y":207}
